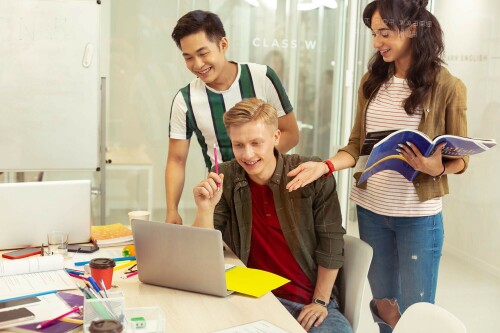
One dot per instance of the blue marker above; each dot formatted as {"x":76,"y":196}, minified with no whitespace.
{"x":74,"y":272}
{"x":30,"y":295}
{"x":94,"y":284}
{"x":82,"y":263}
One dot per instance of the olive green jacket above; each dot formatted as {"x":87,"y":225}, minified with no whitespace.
{"x":310,"y":217}
{"x":444,"y":113}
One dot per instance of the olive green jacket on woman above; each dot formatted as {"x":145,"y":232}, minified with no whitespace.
{"x":444,"y":113}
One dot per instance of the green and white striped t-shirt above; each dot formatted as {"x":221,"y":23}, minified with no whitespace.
{"x":198,"y":108}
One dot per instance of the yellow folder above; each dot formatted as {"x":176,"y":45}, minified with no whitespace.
{"x":253,"y":282}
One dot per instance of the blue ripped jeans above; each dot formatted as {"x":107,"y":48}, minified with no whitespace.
{"x":406,"y":255}
{"x":335,"y":322}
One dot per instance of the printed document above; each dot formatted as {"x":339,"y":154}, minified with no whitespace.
{"x":33,"y":275}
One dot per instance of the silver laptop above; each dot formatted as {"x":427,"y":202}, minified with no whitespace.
{"x":180,"y":257}
{"x":28,"y":211}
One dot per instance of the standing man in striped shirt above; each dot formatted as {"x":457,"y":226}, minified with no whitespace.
{"x":220,"y":84}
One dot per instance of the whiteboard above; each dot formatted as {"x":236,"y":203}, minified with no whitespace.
{"x":49,"y":84}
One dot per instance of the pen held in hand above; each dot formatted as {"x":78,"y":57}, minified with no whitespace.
{"x":216,"y":164}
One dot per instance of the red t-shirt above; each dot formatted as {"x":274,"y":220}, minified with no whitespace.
{"x":269,"y":250}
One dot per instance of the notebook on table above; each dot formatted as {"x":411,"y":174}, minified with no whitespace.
{"x":180,"y":257}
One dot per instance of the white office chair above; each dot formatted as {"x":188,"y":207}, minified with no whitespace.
{"x":358,"y":256}
{"x":428,"y":318}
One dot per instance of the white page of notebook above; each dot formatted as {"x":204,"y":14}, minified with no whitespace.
{"x":32,"y":275}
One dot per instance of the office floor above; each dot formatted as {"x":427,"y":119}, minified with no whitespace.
{"x":470,"y":294}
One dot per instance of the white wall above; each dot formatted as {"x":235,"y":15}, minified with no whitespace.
{"x":472,"y":41}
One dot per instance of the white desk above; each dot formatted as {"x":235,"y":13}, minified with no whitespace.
{"x":192,"y":312}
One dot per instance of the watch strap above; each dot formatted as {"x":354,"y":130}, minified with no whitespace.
{"x":320,"y":302}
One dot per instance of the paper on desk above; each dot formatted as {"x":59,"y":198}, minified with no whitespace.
{"x":260,"y":326}
{"x":253,"y":282}
{"x":33,"y":275}
{"x":26,"y":284}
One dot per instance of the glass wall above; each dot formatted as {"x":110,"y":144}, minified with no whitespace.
{"x":302,"y":40}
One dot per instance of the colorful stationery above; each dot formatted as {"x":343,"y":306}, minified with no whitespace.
{"x":29,"y":295}
{"x":63,"y":325}
{"x":54,"y":320}
{"x":82,"y":263}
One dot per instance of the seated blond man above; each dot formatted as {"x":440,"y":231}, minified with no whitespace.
{"x":297,"y":235}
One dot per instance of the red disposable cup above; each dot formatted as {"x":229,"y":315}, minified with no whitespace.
{"x":102,"y":269}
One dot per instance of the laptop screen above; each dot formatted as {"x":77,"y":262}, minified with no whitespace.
{"x":180,"y":257}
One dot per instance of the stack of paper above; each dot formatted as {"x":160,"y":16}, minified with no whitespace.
{"x":253,"y":282}
{"x":111,"y":235}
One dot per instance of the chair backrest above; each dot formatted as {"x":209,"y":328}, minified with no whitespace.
{"x":357,"y":259}
{"x":428,"y":318}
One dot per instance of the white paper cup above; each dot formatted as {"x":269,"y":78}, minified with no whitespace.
{"x":138,"y":215}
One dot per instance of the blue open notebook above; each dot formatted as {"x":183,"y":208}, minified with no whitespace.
{"x":385,"y":156}
{"x":60,"y":326}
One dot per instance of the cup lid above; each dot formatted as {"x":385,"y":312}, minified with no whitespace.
{"x":105,"y":326}
{"x":102,"y":263}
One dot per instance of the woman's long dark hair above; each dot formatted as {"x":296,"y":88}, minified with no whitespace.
{"x":426,"y":48}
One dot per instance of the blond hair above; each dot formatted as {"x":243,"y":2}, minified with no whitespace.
{"x":251,"y":109}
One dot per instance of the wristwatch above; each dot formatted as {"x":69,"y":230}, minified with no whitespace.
{"x":320,"y":302}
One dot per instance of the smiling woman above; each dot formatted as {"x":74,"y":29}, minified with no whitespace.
{"x":399,"y":219}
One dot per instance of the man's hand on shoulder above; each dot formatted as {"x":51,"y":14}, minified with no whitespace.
{"x":173,"y":217}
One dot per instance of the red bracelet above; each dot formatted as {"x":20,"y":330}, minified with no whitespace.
{"x":331,"y":168}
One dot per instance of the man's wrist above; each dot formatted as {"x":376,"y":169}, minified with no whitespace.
{"x":320,"y":301}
